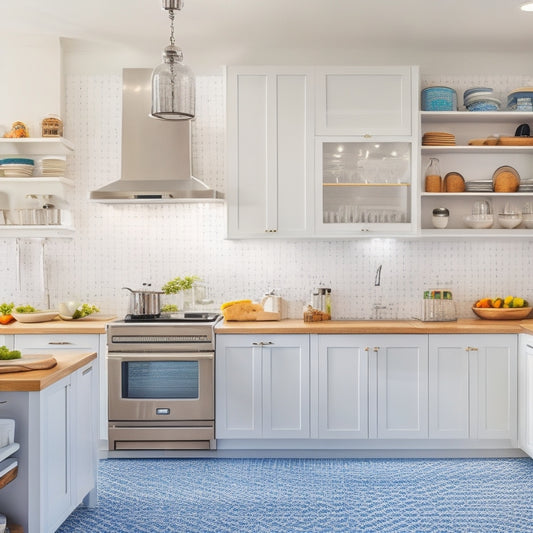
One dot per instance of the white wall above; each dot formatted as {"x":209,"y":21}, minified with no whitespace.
{"x":118,"y":246}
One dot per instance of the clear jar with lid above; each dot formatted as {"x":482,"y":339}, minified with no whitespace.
{"x":433,"y":181}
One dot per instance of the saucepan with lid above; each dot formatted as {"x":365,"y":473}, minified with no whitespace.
{"x":145,"y":303}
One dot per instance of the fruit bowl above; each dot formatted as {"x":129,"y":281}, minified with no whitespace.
{"x":509,"y":313}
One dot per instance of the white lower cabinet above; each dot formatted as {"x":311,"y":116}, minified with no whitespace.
{"x":56,"y":429}
{"x":342,"y":386}
{"x":389,"y":388}
{"x":262,"y":386}
{"x":525,"y":385}
{"x":473,"y":386}
{"x":59,"y":342}
{"x":372,"y":386}
{"x":402,"y":386}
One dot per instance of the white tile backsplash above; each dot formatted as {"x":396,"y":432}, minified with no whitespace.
{"x":126,"y":245}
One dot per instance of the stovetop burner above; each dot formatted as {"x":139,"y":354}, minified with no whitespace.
{"x":173,"y":317}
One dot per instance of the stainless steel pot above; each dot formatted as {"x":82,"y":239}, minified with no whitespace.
{"x":145,"y":303}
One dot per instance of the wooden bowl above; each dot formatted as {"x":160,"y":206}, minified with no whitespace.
{"x":511,"y":313}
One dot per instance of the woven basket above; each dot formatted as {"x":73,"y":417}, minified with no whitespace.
{"x":52,"y":127}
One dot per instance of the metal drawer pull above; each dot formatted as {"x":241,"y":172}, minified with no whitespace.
{"x":529,"y":346}
{"x":262,"y":343}
{"x":471,"y":349}
{"x":87,"y":370}
{"x":3,"y":401}
{"x":60,"y":343}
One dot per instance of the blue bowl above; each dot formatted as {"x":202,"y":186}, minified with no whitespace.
{"x":439,"y":99}
{"x":16,"y":161}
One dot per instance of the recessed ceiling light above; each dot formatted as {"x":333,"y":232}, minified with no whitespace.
{"x":528,"y":6}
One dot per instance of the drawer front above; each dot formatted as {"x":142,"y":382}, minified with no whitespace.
{"x":58,"y":341}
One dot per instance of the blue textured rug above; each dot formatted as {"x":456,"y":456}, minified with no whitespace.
{"x":326,"y":495}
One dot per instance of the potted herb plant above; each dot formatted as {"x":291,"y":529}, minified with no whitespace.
{"x":178,"y":294}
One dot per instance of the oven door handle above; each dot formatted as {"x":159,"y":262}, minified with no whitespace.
{"x":155,"y":356}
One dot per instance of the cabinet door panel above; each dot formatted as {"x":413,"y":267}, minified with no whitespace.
{"x":402,"y":390}
{"x":342,"y":388}
{"x":448,"y":390}
{"x":251,"y":164}
{"x":238,"y":391}
{"x":270,"y":151}
{"x":293,"y":144}
{"x":286,"y":388}
{"x":364,"y":100}
{"x":527,"y":398}
{"x":56,"y":442}
{"x":497,"y":392}
{"x":85,"y":430}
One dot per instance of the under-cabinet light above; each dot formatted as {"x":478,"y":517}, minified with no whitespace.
{"x":528,"y":6}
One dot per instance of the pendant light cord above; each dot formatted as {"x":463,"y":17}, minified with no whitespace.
{"x":171,"y":17}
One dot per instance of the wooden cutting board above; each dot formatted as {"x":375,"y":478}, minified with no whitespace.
{"x":28,"y":362}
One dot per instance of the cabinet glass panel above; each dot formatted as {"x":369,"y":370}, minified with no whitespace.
{"x":366,"y":182}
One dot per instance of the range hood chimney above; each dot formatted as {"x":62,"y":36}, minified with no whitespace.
{"x":156,"y":154}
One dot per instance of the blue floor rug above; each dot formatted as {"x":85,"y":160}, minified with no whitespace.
{"x":314,"y":495}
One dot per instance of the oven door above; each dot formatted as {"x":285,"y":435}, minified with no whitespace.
{"x":161,"y":386}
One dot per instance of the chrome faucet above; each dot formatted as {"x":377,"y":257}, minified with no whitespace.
{"x":377,"y":280}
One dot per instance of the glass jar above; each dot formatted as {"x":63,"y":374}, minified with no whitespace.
{"x":433,"y":176}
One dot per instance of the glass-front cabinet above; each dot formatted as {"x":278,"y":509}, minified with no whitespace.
{"x":365,"y":185}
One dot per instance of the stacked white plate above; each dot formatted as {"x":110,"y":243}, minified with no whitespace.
{"x":481,"y":99}
{"x":53,"y":166}
{"x":526,"y":186}
{"x":16,"y":167}
{"x":478,"y":186}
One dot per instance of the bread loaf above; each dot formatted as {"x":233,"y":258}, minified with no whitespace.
{"x":506,"y":181}
{"x":453,"y":182}
{"x":242,"y":311}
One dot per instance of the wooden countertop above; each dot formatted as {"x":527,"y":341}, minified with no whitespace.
{"x":56,"y":326}
{"x":36,"y":380}
{"x":463,"y":325}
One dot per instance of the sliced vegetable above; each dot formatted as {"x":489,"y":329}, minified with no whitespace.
{"x":25,"y":309}
{"x":85,"y":310}
{"x":5,"y":313}
{"x":6,"y":353}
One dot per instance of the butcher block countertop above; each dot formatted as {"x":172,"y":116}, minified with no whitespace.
{"x":37,"y":380}
{"x":463,"y":325}
{"x":56,"y":326}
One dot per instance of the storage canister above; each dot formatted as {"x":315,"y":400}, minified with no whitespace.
{"x":440,"y":217}
{"x":439,"y":99}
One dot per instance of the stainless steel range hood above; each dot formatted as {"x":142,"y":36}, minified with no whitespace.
{"x":156,"y":154}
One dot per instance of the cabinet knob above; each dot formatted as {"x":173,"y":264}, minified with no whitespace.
{"x":376,"y":349}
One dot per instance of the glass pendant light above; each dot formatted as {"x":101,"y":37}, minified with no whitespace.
{"x":173,"y":91}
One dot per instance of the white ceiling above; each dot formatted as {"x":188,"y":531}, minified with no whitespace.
{"x":232,"y":27}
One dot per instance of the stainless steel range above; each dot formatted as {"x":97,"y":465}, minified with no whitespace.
{"x":161,"y":382}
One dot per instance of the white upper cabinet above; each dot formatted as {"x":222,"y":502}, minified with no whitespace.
{"x":365,"y":100}
{"x":270,"y":151}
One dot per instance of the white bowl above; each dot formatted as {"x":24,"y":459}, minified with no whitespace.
{"x":509,"y":220}
{"x":479,"y":221}
{"x":68,"y":308}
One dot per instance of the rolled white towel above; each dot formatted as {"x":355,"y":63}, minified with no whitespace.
{"x":7,"y":431}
